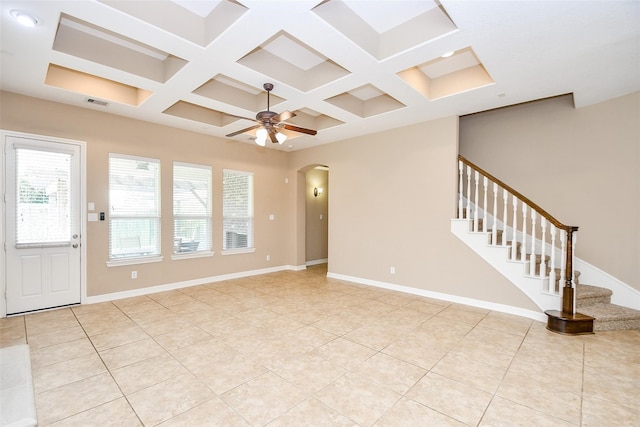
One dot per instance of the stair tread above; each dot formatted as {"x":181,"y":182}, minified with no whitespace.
{"x":609,"y":312}
{"x":590,"y":291}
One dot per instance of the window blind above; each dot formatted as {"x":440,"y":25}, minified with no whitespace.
{"x":237,"y":209}
{"x":43,"y":190}
{"x":134,"y":207}
{"x":191,"y":208}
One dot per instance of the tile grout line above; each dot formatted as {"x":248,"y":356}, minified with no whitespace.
{"x":107,"y":369}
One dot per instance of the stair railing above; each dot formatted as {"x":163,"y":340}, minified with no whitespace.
{"x":479,"y":196}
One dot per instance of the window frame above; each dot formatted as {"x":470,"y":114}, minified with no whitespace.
{"x":156,"y":256}
{"x":208,"y":217}
{"x":250,"y":248}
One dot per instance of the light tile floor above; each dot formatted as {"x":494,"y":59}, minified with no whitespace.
{"x":299,"y":349}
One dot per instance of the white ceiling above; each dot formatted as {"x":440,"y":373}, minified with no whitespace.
{"x":345,"y":67}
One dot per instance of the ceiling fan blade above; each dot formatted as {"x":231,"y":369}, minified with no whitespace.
{"x":272,"y":135}
{"x":299,"y":129}
{"x":285,"y":115}
{"x":243,"y":130}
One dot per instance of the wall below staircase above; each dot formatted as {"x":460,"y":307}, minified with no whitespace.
{"x":392,"y":198}
{"x":581,"y":165}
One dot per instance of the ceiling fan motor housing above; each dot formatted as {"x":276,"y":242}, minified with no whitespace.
{"x":265,"y":116}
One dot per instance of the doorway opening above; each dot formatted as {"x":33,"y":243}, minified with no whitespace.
{"x":316,"y":215}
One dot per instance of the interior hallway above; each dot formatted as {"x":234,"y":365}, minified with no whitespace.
{"x":297,"y":348}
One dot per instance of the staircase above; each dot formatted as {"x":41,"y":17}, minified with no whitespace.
{"x":505,"y":228}
{"x":596,"y":302}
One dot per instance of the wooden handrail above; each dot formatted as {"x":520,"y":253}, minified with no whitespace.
{"x":538,"y":209}
{"x":568,"y":292}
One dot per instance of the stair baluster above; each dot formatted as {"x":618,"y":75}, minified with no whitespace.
{"x":532,"y":257}
{"x":505,"y":219}
{"x":468,"y":215}
{"x":476,"y":177}
{"x":563,"y":261}
{"x":460,"y":189}
{"x":494,"y":227}
{"x":552,"y":273}
{"x":485,"y":184}
{"x":543,"y":249}
{"x":514,"y":240}
{"x":523,"y":247}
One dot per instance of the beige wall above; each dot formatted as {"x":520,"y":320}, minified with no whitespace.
{"x":581,"y":165}
{"x":106,"y":133}
{"x":316,"y":228}
{"x":391,"y":200}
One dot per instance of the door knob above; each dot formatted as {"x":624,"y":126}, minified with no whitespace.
{"x":75,"y":245}
{"x":75,"y":236}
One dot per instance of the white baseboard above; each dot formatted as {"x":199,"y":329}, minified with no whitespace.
{"x":185,"y":284}
{"x":317,"y":262}
{"x":530,"y":314}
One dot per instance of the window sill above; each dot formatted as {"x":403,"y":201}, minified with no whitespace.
{"x":189,"y":255}
{"x":133,"y":261}
{"x":238,"y":251}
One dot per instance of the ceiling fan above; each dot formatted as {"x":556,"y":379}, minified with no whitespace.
{"x":269,"y":123}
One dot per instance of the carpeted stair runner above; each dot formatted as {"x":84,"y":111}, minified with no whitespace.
{"x":596,"y":302}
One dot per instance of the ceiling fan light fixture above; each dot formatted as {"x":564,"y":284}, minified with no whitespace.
{"x":261,"y":137}
{"x":281,"y":137}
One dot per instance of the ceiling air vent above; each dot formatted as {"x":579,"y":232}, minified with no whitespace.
{"x":97,"y":102}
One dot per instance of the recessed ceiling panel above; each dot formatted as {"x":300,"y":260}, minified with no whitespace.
{"x":308,"y":118}
{"x":201,"y":8}
{"x":293,"y":52}
{"x":464,"y":59}
{"x":87,"y":41}
{"x":376,"y":13}
{"x":365,"y":101}
{"x":200,"y":114}
{"x":184,"y":18}
{"x":386,"y":28}
{"x":288,"y":60}
{"x":443,"y":77}
{"x":229,"y":91}
{"x":87,"y":84}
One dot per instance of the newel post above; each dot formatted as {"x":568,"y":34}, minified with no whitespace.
{"x":568,"y":291}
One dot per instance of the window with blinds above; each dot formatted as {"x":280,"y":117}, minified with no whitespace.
{"x":237,"y":210}
{"x":43,"y":190}
{"x":191,"y":208}
{"x":134,"y":207}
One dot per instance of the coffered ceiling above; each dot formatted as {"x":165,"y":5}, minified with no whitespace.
{"x":344,"y":67}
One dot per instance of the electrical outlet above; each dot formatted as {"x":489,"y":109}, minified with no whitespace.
{"x":392,"y":270}
{"x":134,"y":274}
{"x":268,"y":257}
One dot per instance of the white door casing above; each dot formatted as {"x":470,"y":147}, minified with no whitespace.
{"x":43,"y":256}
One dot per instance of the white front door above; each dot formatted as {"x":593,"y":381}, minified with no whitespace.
{"x":42,"y":223}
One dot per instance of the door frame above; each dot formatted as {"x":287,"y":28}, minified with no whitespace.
{"x":82,"y":145}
